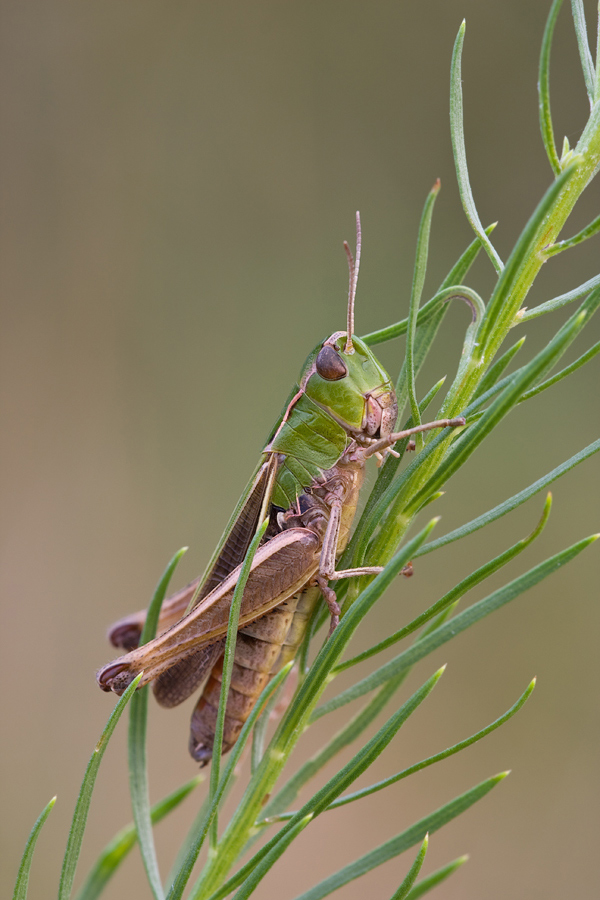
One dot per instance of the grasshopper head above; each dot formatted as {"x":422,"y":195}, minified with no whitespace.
{"x":352,"y":386}
{"x":344,"y":377}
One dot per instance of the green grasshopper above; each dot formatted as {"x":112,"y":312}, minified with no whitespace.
{"x":307,"y":482}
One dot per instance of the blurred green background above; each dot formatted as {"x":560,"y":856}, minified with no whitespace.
{"x":177,"y":182}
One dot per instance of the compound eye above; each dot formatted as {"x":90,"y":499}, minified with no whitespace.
{"x":329,"y":365}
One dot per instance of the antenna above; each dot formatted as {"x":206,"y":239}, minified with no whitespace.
{"x":353,"y":266}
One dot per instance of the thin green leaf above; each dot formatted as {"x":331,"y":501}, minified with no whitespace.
{"x":426,"y":335}
{"x":269,"y":859}
{"x":458,"y":272}
{"x":505,"y":300}
{"x":153,"y":614}
{"x":512,"y":503}
{"x":402,"y":841}
{"x":115,"y":852}
{"x":597,"y":85}
{"x":452,"y":596}
{"x":495,"y":371}
{"x":184,"y":853}
{"x":587,"y":63}
{"x":336,"y":785}
{"x":454,"y":277}
{"x":388,"y":513}
{"x":430,"y":881}
{"x":460,"y":154}
{"x":525,"y":315}
{"x":544,"y":89}
{"x":22,"y":882}
{"x":414,"y":870}
{"x":228,"y":660}
{"x":297,"y":715}
{"x":588,"y":308}
{"x":85,"y":795}
{"x":456,"y":626}
{"x":564,"y":373}
{"x":318,"y":677}
{"x":354,"y":553}
{"x":437,"y":757}
{"x":424,"y":314}
{"x":138,"y":720}
{"x":199,"y":829}
{"x":501,"y":406}
{"x":343,"y":738}
{"x":260,"y":729}
{"x":585,"y":233}
{"x":415,"y":299}
{"x":481,"y":399}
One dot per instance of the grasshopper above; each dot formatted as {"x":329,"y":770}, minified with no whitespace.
{"x":342,"y":412}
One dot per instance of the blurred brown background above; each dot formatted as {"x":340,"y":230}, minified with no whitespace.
{"x":177,"y":182}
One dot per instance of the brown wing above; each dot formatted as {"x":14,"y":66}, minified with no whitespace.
{"x":177,"y":683}
{"x":126,"y":632}
{"x":281,"y":567}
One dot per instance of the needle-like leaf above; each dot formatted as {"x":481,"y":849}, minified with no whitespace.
{"x":288,"y":793}
{"x":85,"y":795}
{"x":587,"y":63}
{"x":402,"y":841}
{"x":460,"y":152}
{"x":544,"y":89}
{"x":338,"y":783}
{"x":583,"y":235}
{"x":115,"y":852}
{"x":138,"y":720}
{"x":452,"y":597}
{"x":512,"y":503}
{"x":430,"y":881}
{"x":525,"y":315}
{"x":228,"y":660}
{"x":415,"y":299}
{"x":22,"y":882}
{"x":564,"y":373}
{"x":437,"y":757}
{"x":458,"y":624}
{"x":411,"y":877}
{"x":496,"y":371}
{"x":268,"y":860}
{"x":199,"y":830}
{"x":510,"y":396}
{"x":453,"y":278}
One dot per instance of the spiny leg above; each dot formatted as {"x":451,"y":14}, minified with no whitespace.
{"x":331,"y":601}
{"x":386,"y":442}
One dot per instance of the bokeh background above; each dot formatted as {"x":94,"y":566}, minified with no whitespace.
{"x":177,"y":181}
